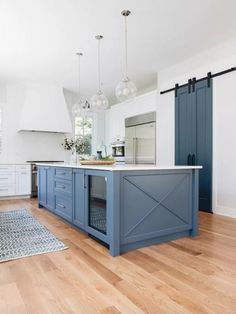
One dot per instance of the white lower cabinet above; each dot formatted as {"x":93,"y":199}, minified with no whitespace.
{"x":7,"y":190}
{"x":15,"y":180}
{"x":7,"y":178}
{"x":23,"y":183}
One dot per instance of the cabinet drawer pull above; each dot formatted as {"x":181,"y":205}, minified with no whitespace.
{"x":3,"y":189}
{"x":3,"y":178}
{"x":61,"y":205}
{"x":63,"y":187}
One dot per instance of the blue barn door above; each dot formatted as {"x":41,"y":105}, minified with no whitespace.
{"x":193,"y":135}
{"x":185,"y":127}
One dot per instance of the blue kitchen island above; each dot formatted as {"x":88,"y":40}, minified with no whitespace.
{"x":125,"y":207}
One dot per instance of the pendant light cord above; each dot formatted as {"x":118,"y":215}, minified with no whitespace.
{"x":99,"y":101}
{"x":79,"y":91}
{"x":126,"y":48}
{"x":99,"y":66}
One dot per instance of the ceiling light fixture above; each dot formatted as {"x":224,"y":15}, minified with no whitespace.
{"x":80,"y":108}
{"x":125,"y":89}
{"x":99,"y":101}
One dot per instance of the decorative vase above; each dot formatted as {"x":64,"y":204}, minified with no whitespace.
{"x":73,"y":157}
{"x":67,"y":156}
{"x":70,"y":157}
{"x":78,"y":157}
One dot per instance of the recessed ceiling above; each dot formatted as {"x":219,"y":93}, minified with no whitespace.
{"x":39,"y":38}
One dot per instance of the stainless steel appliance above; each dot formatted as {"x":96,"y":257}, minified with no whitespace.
{"x":140,"y":139}
{"x":34,"y":175}
{"x":118,"y":150}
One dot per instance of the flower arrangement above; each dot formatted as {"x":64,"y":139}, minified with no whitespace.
{"x":80,"y":146}
{"x":68,"y":144}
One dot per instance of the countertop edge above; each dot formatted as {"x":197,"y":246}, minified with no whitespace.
{"x":118,"y":167}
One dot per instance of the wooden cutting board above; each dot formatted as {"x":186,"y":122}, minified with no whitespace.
{"x":97,"y":162}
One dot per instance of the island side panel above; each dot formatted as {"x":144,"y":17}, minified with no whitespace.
{"x":195,"y":205}
{"x":156,"y":206}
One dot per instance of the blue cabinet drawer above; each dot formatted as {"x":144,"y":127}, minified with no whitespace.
{"x":63,"y":206}
{"x":63,"y":186}
{"x":63,"y":173}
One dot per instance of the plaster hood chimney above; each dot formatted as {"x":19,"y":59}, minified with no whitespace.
{"x":45,"y":110}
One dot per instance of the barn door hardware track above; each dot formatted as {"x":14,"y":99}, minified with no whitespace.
{"x":194,"y":81}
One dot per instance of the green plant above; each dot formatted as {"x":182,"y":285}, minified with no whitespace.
{"x":83,"y":145}
{"x":108,"y":158}
{"x":68,"y":144}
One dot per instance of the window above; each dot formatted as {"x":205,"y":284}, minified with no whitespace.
{"x":83,"y":133}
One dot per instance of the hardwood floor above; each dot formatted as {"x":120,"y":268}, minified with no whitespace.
{"x":190,"y":275}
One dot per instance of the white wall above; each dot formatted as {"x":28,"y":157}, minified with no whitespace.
{"x":115,"y":116}
{"x":224,"y":118}
{"x":20,"y":147}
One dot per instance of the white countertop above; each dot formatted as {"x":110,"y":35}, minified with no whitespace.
{"x":127,"y":167}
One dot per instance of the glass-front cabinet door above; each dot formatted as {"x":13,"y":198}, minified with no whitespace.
{"x":97,"y":204}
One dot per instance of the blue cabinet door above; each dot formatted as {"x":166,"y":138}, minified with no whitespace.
{"x":42,"y":186}
{"x":193,"y":135}
{"x":46,"y":187}
{"x":78,"y":198}
{"x":50,"y":189}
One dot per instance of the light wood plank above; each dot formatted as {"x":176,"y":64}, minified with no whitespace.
{"x":189,"y":275}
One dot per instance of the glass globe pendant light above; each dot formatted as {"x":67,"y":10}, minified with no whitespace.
{"x":80,"y":108}
{"x":99,"y":101}
{"x":125,"y":89}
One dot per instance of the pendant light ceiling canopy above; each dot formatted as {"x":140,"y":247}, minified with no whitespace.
{"x":125,"y":89}
{"x":80,"y":108}
{"x":99,"y":101}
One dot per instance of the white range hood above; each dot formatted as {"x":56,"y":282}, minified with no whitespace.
{"x":45,"y":110}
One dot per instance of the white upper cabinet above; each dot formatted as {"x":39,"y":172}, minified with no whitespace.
{"x":115,"y":116}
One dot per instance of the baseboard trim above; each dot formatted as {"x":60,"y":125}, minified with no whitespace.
{"x":225,"y":211}
{"x":5,"y":198}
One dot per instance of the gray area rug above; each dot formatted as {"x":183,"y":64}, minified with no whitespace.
{"x":22,"y":235}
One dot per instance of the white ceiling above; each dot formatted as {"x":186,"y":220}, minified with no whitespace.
{"x":39,"y":38}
